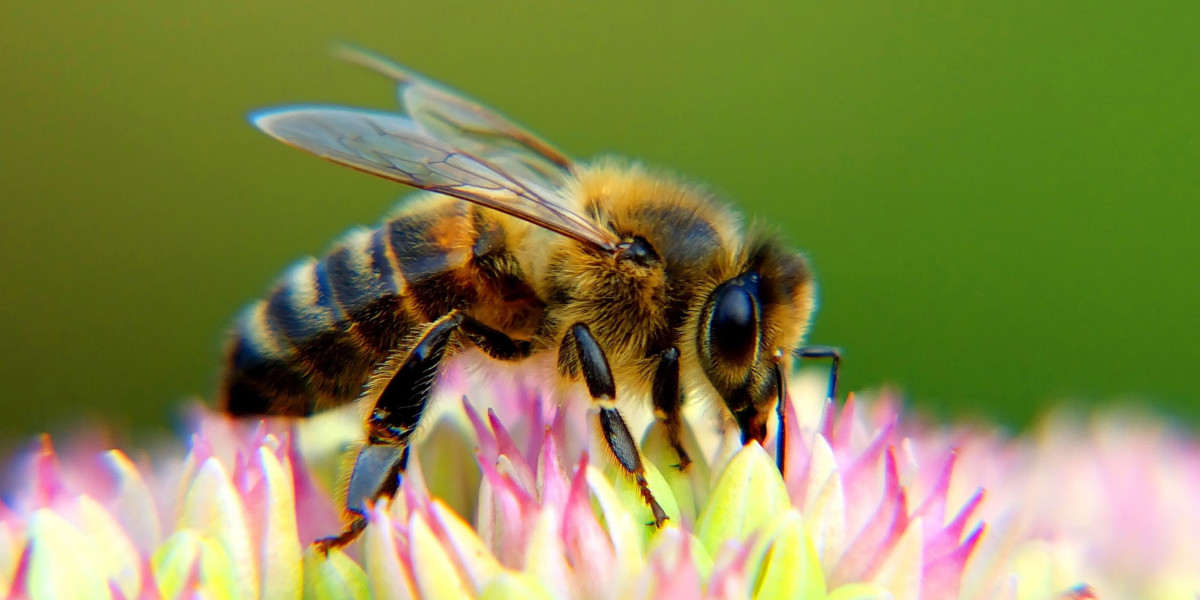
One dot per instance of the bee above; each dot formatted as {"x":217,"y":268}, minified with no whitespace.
{"x":639,"y":284}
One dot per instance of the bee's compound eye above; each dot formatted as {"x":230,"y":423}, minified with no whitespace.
{"x":733,"y":328}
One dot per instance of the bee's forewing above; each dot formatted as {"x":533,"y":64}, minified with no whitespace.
{"x":395,"y":147}
{"x":454,"y":118}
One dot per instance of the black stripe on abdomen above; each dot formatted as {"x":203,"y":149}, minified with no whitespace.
{"x":260,"y":378}
{"x":430,"y":259}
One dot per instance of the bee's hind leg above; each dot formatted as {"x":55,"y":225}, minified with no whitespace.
{"x":580,"y":352}
{"x":398,"y":409}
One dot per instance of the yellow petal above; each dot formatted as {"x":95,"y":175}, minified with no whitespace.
{"x":690,"y":487}
{"x":63,"y":563}
{"x":175,"y":562}
{"x":333,"y":577}
{"x":627,"y":535}
{"x":472,"y":554}
{"x":860,"y":591}
{"x":632,"y":502}
{"x":444,"y":454}
{"x":514,"y":586}
{"x":435,"y":572}
{"x":214,"y":508}
{"x":282,"y":572}
{"x":749,"y":494}
{"x":120,"y":561}
{"x":1043,"y":569}
{"x":791,"y":568}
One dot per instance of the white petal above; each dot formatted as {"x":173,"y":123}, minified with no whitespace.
{"x":545,"y":556}
{"x":134,"y":505}
{"x":282,"y":574}
{"x":825,"y":509}
{"x":901,"y":571}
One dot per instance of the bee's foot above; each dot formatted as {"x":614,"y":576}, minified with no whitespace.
{"x":353,"y":530}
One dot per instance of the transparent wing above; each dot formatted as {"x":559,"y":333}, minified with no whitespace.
{"x":395,"y":147}
{"x":462,"y":123}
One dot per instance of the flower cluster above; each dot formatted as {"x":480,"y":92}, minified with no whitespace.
{"x":510,"y":496}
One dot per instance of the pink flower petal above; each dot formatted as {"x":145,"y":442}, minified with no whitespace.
{"x":672,"y":567}
{"x":590,"y":549}
{"x":943,"y":575}
{"x":521,"y":471}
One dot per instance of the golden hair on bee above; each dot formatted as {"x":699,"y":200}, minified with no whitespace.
{"x":634,"y":284}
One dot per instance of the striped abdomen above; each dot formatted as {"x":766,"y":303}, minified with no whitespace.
{"x":315,"y":340}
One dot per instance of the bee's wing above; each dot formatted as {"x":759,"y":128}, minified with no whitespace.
{"x":395,"y":147}
{"x":462,"y":123}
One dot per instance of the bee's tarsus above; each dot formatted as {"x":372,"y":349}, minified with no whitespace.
{"x":352,"y":531}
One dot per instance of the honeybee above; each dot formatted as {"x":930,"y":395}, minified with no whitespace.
{"x":640,"y":284}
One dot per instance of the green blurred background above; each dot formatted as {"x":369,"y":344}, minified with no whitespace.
{"x":1000,"y":197}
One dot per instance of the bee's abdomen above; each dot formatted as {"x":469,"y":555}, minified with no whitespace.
{"x":315,"y":340}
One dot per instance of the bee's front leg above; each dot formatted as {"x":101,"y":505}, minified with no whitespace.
{"x":579,"y":352}
{"x":807,"y":352}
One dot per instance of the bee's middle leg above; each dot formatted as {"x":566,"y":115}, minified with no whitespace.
{"x":398,"y":409}
{"x":668,"y":402}
{"x":580,"y":352}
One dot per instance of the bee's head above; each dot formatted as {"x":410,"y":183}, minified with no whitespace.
{"x":749,"y":325}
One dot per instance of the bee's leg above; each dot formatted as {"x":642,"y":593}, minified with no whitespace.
{"x":580,"y":352}
{"x":780,"y":413}
{"x":668,"y":402}
{"x":807,"y":352}
{"x":398,"y":410}
{"x":495,"y":344}
{"x":393,"y":419}
{"x":831,"y":352}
